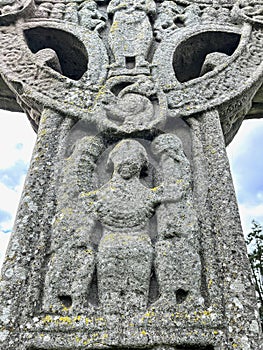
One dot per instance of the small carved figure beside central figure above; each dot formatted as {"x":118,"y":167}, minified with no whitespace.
{"x":177,"y":256}
{"x":131,"y":35}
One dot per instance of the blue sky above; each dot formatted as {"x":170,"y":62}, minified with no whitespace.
{"x":16,"y":144}
{"x":17,"y":140}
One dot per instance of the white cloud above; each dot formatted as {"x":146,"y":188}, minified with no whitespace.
{"x":249,"y":213}
{"x":16,"y":143}
{"x":9,"y":198}
{"x":15,"y":130}
{"x":247,"y":164}
{"x":239,"y":145}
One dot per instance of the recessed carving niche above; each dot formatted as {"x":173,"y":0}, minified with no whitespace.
{"x":190,"y":54}
{"x":71,"y":52}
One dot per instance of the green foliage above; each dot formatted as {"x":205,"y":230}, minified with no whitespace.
{"x":254,"y":243}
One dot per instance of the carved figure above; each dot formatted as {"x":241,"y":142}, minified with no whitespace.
{"x":7,"y":6}
{"x":124,"y":206}
{"x":71,"y":13}
{"x":133,"y":111}
{"x":212,"y":60}
{"x":177,"y":262}
{"x":191,"y":15}
{"x":164,"y":24}
{"x":131,"y":32}
{"x":90,"y":17}
{"x":211,"y":15}
{"x":49,"y":58}
{"x":44,"y":10}
{"x":11,"y":9}
{"x":72,"y":261}
{"x":138,"y":105}
{"x":10,"y":6}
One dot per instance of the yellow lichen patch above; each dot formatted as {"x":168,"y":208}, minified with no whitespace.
{"x":101,"y":92}
{"x":89,"y":251}
{"x":215,"y":332}
{"x":149,"y":314}
{"x":210,"y":283}
{"x":206,"y":313}
{"x":114,"y":26}
{"x":43,"y":119}
{"x":88,"y":194}
{"x":109,"y":237}
{"x":168,"y":86}
{"x":66,"y":309}
{"x":43,"y":132}
{"x":65,"y":319}
{"x":155,"y":189}
{"x":77,"y":318}
{"x":67,"y":211}
{"x":143,"y":332}
{"x":234,"y":345}
{"x":211,"y":149}
{"x":88,"y":321}
{"x":47,"y":319}
{"x":10,"y":258}
{"x":104,"y":336}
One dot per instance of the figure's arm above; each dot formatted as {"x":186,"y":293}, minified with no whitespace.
{"x":100,"y":24}
{"x":88,"y":200}
{"x":165,"y":193}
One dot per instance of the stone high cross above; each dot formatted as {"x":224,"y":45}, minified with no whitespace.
{"x":128,"y":233}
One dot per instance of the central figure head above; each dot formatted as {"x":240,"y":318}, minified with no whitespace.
{"x":128,"y":158}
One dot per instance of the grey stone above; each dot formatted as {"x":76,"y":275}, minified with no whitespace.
{"x":128,"y":233}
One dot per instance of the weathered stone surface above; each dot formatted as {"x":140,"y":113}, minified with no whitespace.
{"x":128,"y":233}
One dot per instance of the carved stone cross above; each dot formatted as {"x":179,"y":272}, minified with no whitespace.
{"x":128,"y":233}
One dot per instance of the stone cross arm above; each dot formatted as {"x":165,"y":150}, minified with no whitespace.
{"x":257,"y":106}
{"x":8,"y":102}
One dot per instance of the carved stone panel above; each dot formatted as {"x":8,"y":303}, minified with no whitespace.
{"x":128,"y":234}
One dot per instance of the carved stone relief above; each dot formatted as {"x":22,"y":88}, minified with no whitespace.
{"x":131,"y":35}
{"x":128,"y":232}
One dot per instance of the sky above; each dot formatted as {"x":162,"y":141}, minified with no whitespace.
{"x":17,"y":141}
